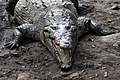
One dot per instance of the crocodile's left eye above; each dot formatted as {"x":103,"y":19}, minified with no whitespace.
{"x":68,"y":27}
{"x":54,"y":27}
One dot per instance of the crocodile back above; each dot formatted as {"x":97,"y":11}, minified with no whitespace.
{"x":34,"y":11}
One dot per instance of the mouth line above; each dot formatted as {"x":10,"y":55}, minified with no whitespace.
{"x":60,"y":51}
{"x":57,"y":51}
{"x":63,"y":57}
{"x":57,"y":47}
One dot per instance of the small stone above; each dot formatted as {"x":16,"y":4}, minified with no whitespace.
{"x":74,"y":75}
{"x":93,"y":46}
{"x":33,"y":1}
{"x":5,"y":54}
{"x":91,"y":77}
{"x":96,"y":75}
{"x":110,"y":38}
{"x":115,"y":7}
{"x":23,"y":66}
{"x":81,"y":72}
{"x":56,"y":77}
{"x":103,"y":67}
{"x":109,"y":21}
{"x":116,"y":44}
{"x":111,"y":13}
{"x":105,"y":74}
{"x":1,"y":55}
{"x":37,"y":5}
{"x":47,"y":64}
{"x":97,"y":66}
{"x":23,"y":76}
{"x":46,"y":58}
{"x":15,"y":54}
{"x":66,"y":73}
{"x":35,"y":66}
{"x":13,"y":78}
{"x":41,"y":69}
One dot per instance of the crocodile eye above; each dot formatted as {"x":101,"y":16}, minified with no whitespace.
{"x":46,"y":28}
{"x":68,"y":27}
{"x":54,"y":27}
{"x":73,"y":28}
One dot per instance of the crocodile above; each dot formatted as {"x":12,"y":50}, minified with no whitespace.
{"x":55,"y":23}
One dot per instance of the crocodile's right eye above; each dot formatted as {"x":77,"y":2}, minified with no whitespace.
{"x":73,"y":28}
{"x":54,"y":27}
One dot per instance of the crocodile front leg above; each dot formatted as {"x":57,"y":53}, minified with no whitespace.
{"x":24,"y":30}
{"x":88,"y":24}
{"x":16,"y":42}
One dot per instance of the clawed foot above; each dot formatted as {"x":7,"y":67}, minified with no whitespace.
{"x":107,"y":33}
{"x":12,"y":45}
{"x":102,"y":32}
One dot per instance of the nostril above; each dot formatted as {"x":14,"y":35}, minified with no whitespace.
{"x":68,"y":27}
{"x":65,"y":45}
{"x":65,"y":66}
{"x":66,"y":42}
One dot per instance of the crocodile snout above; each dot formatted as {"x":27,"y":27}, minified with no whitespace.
{"x":64,"y":44}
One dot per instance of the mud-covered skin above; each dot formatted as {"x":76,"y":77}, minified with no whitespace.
{"x":12,"y":3}
{"x":81,"y":8}
{"x":55,"y":23}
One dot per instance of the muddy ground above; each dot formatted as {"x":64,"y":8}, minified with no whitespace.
{"x":93,"y":58}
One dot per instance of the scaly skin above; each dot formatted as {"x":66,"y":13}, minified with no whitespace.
{"x":55,"y":23}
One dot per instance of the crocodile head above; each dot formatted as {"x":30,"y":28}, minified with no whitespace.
{"x":61,"y":38}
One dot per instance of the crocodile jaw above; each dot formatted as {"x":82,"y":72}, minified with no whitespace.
{"x":62,"y":55}
{"x":60,"y":50}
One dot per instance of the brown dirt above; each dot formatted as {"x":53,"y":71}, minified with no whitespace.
{"x":92,"y":59}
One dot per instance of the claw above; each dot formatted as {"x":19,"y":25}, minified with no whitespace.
{"x":7,"y":45}
{"x":102,"y":32}
{"x":11,"y":45}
